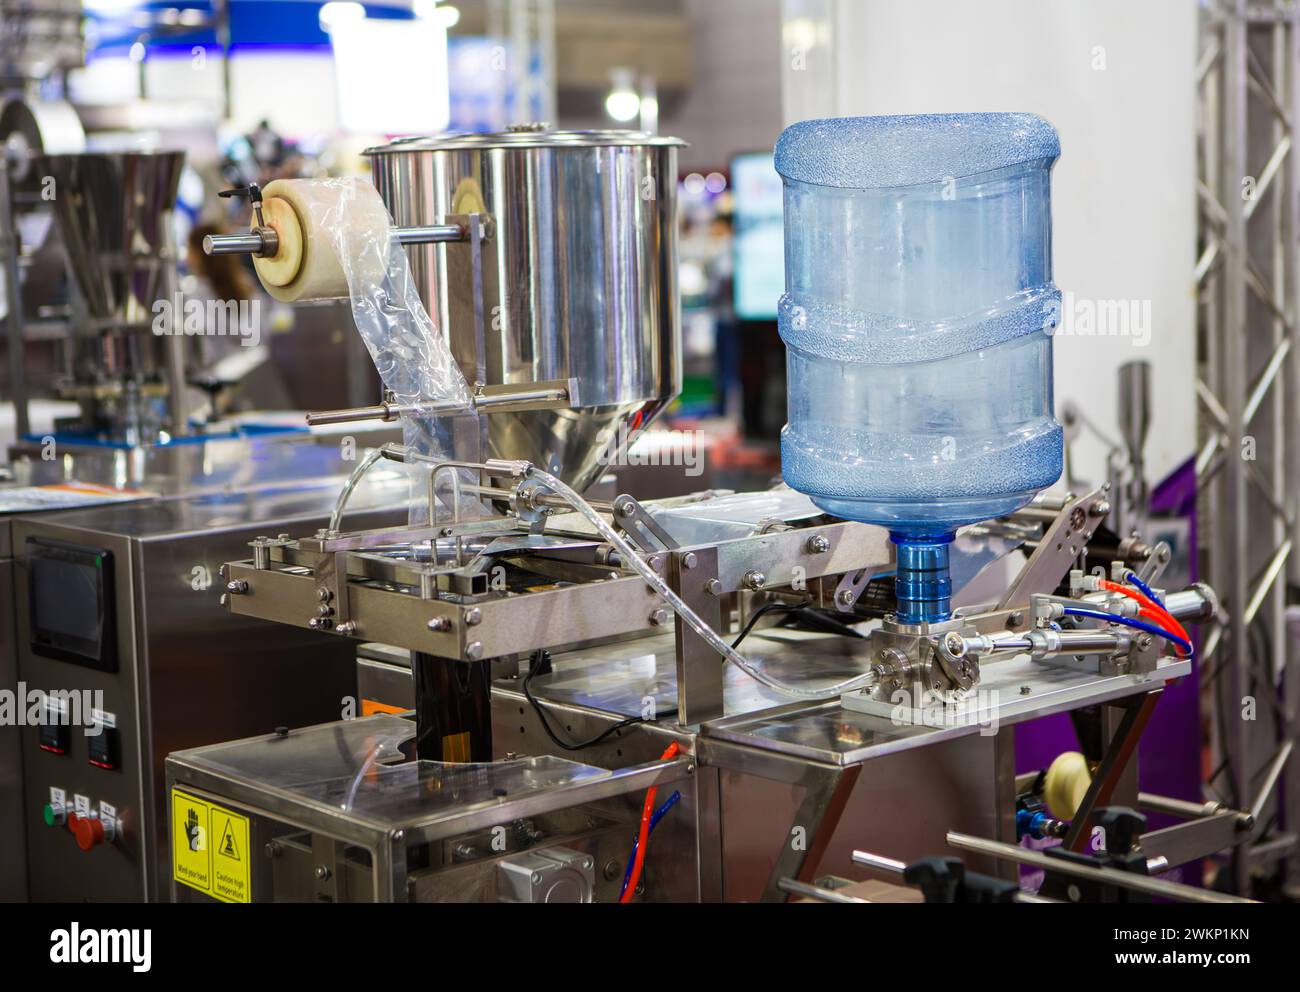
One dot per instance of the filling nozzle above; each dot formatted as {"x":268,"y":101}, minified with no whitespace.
{"x":922,"y":583}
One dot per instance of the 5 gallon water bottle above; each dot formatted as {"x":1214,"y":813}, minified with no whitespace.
{"x":917,"y":318}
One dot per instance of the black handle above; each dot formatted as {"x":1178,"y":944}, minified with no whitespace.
{"x":252,"y":191}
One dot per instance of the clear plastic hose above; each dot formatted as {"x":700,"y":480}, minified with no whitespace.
{"x":652,"y":578}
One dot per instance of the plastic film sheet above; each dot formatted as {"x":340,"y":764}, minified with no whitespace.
{"x":409,"y":351}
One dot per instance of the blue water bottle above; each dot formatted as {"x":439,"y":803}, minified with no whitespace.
{"x":917,"y":318}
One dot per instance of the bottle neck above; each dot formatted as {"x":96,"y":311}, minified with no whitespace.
{"x":922,"y":583}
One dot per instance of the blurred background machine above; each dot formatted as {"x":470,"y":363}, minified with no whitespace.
{"x":113,"y":217}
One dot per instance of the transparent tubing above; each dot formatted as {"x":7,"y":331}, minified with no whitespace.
{"x":340,"y":504}
{"x":652,"y":579}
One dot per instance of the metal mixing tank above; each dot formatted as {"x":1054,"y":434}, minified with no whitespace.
{"x":574,"y":277}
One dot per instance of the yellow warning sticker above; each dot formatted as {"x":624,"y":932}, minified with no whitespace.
{"x":210,"y":848}
{"x":230,"y":874}
{"x":191,"y":856}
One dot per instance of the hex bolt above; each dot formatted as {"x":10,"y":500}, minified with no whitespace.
{"x":313,"y":623}
{"x":261,"y":554}
{"x":346,"y":628}
{"x":1143,"y":641}
{"x":656,"y":562}
{"x":845,"y":597}
{"x":817,"y":545}
{"x":323,"y":594}
{"x":439,"y":625}
{"x":755,"y":580}
{"x":713,"y":587}
{"x":689,"y":560}
{"x":324,"y":610}
{"x":1015,"y":618}
{"x":626,"y":508}
{"x":659,"y":617}
{"x":237,"y":586}
{"x":474,"y":650}
{"x":1099,"y":507}
{"x":473,"y":617}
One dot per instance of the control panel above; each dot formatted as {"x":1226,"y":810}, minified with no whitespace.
{"x":79,"y":800}
{"x":82,"y":777}
{"x":127,"y":655}
{"x":90,"y":823}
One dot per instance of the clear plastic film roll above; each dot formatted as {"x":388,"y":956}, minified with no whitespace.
{"x":336,"y":240}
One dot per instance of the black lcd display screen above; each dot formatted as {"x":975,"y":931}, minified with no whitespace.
{"x":70,"y":596}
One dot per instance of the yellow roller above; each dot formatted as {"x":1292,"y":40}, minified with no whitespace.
{"x":305,"y":265}
{"x":1066,"y":783}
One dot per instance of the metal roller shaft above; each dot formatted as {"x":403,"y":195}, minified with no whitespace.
{"x":1097,"y":873}
{"x":254,"y":243}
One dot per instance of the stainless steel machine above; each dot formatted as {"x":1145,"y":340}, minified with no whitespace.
{"x":89,"y":236}
{"x":571,"y":660}
{"x":114,"y":212}
{"x":122,"y":648}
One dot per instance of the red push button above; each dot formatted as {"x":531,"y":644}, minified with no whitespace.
{"x":88,"y":831}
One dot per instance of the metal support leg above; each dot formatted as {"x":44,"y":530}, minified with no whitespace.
{"x":699,"y":667}
{"x":1119,"y":750}
{"x":814,"y":824}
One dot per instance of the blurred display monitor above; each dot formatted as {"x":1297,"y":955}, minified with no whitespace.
{"x":759,"y":251}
